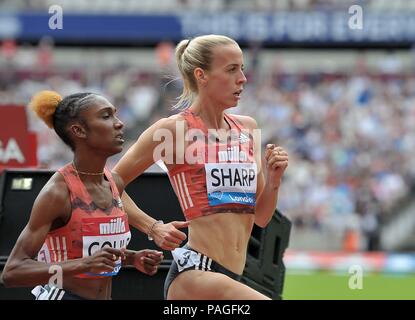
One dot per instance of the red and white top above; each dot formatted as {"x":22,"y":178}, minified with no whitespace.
{"x":90,"y":227}
{"x":215,"y":176}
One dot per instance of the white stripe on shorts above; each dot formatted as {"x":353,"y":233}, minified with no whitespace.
{"x":50,"y":293}
{"x":204,"y":263}
{"x":209,"y":263}
{"x":55,"y":294}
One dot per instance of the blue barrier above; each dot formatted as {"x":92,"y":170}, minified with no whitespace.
{"x":314,"y":27}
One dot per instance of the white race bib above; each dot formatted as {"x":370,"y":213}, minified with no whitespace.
{"x":185,"y":258}
{"x":91,"y":244}
{"x":231,"y":183}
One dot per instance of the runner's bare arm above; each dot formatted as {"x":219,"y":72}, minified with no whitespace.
{"x":267,"y":195}
{"x":21,"y":269}
{"x":147,"y":150}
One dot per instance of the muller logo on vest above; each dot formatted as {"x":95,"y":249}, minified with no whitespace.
{"x":233,"y":154}
{"x":113,"y":227}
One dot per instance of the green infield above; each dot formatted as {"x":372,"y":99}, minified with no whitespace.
{"x":332,"y":286}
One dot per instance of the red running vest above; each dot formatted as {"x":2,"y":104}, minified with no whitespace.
{"x":224,"y":177}
{"x":90,"y":227}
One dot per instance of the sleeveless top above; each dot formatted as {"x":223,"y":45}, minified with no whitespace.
{"x":215,"y":176}
{"x":90,"y":228}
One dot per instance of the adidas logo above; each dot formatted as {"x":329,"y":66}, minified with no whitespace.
{"x":243,"y":138}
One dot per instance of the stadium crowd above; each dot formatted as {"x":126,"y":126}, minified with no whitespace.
{"x":350,"y":136}
{"x":174,"y":6}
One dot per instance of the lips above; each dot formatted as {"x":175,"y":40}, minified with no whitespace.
{"x":120,"y":136}
{"x":238,"y":93}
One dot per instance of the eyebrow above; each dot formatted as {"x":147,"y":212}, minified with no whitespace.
{"x":107,"y":109}
{"x":235,"y":65}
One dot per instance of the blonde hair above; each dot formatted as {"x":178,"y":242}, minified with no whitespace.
{"x":44,"y":104}
{"x":192,"y":54}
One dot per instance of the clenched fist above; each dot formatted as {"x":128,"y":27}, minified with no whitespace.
{"x":276,"y":160}
{"x":146,"y":261}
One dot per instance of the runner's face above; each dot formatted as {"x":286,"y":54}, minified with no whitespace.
{"x":226,"y":78}
{"x":104,"y":129}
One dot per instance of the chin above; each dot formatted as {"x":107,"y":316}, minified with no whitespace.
{"x":231,"y":105}
{"x":116,"y":150}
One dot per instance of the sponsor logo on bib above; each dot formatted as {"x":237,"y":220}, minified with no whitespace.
{"x":99,"y":233}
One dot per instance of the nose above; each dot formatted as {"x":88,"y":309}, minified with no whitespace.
{"x":118,"y":124}
{"x":242,"y":79}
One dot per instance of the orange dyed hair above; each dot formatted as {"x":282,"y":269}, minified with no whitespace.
{"x":44,"y":104}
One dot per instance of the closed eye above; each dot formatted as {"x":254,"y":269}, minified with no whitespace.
{"x":107,"y":113}
{"x":236,"y":68}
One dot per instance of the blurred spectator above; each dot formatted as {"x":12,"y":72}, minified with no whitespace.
{"x":148,"y":6}
{"x":351,"y":241}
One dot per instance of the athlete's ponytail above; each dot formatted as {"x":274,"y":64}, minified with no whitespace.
{"x":44,"y":104}
{"x":192,"y":54}
{"x":58,"y":113}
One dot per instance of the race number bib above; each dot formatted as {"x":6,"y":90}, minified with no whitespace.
{"x":99,"y":233}
{"x":231,"y":183}
{"x":185,"y":258}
